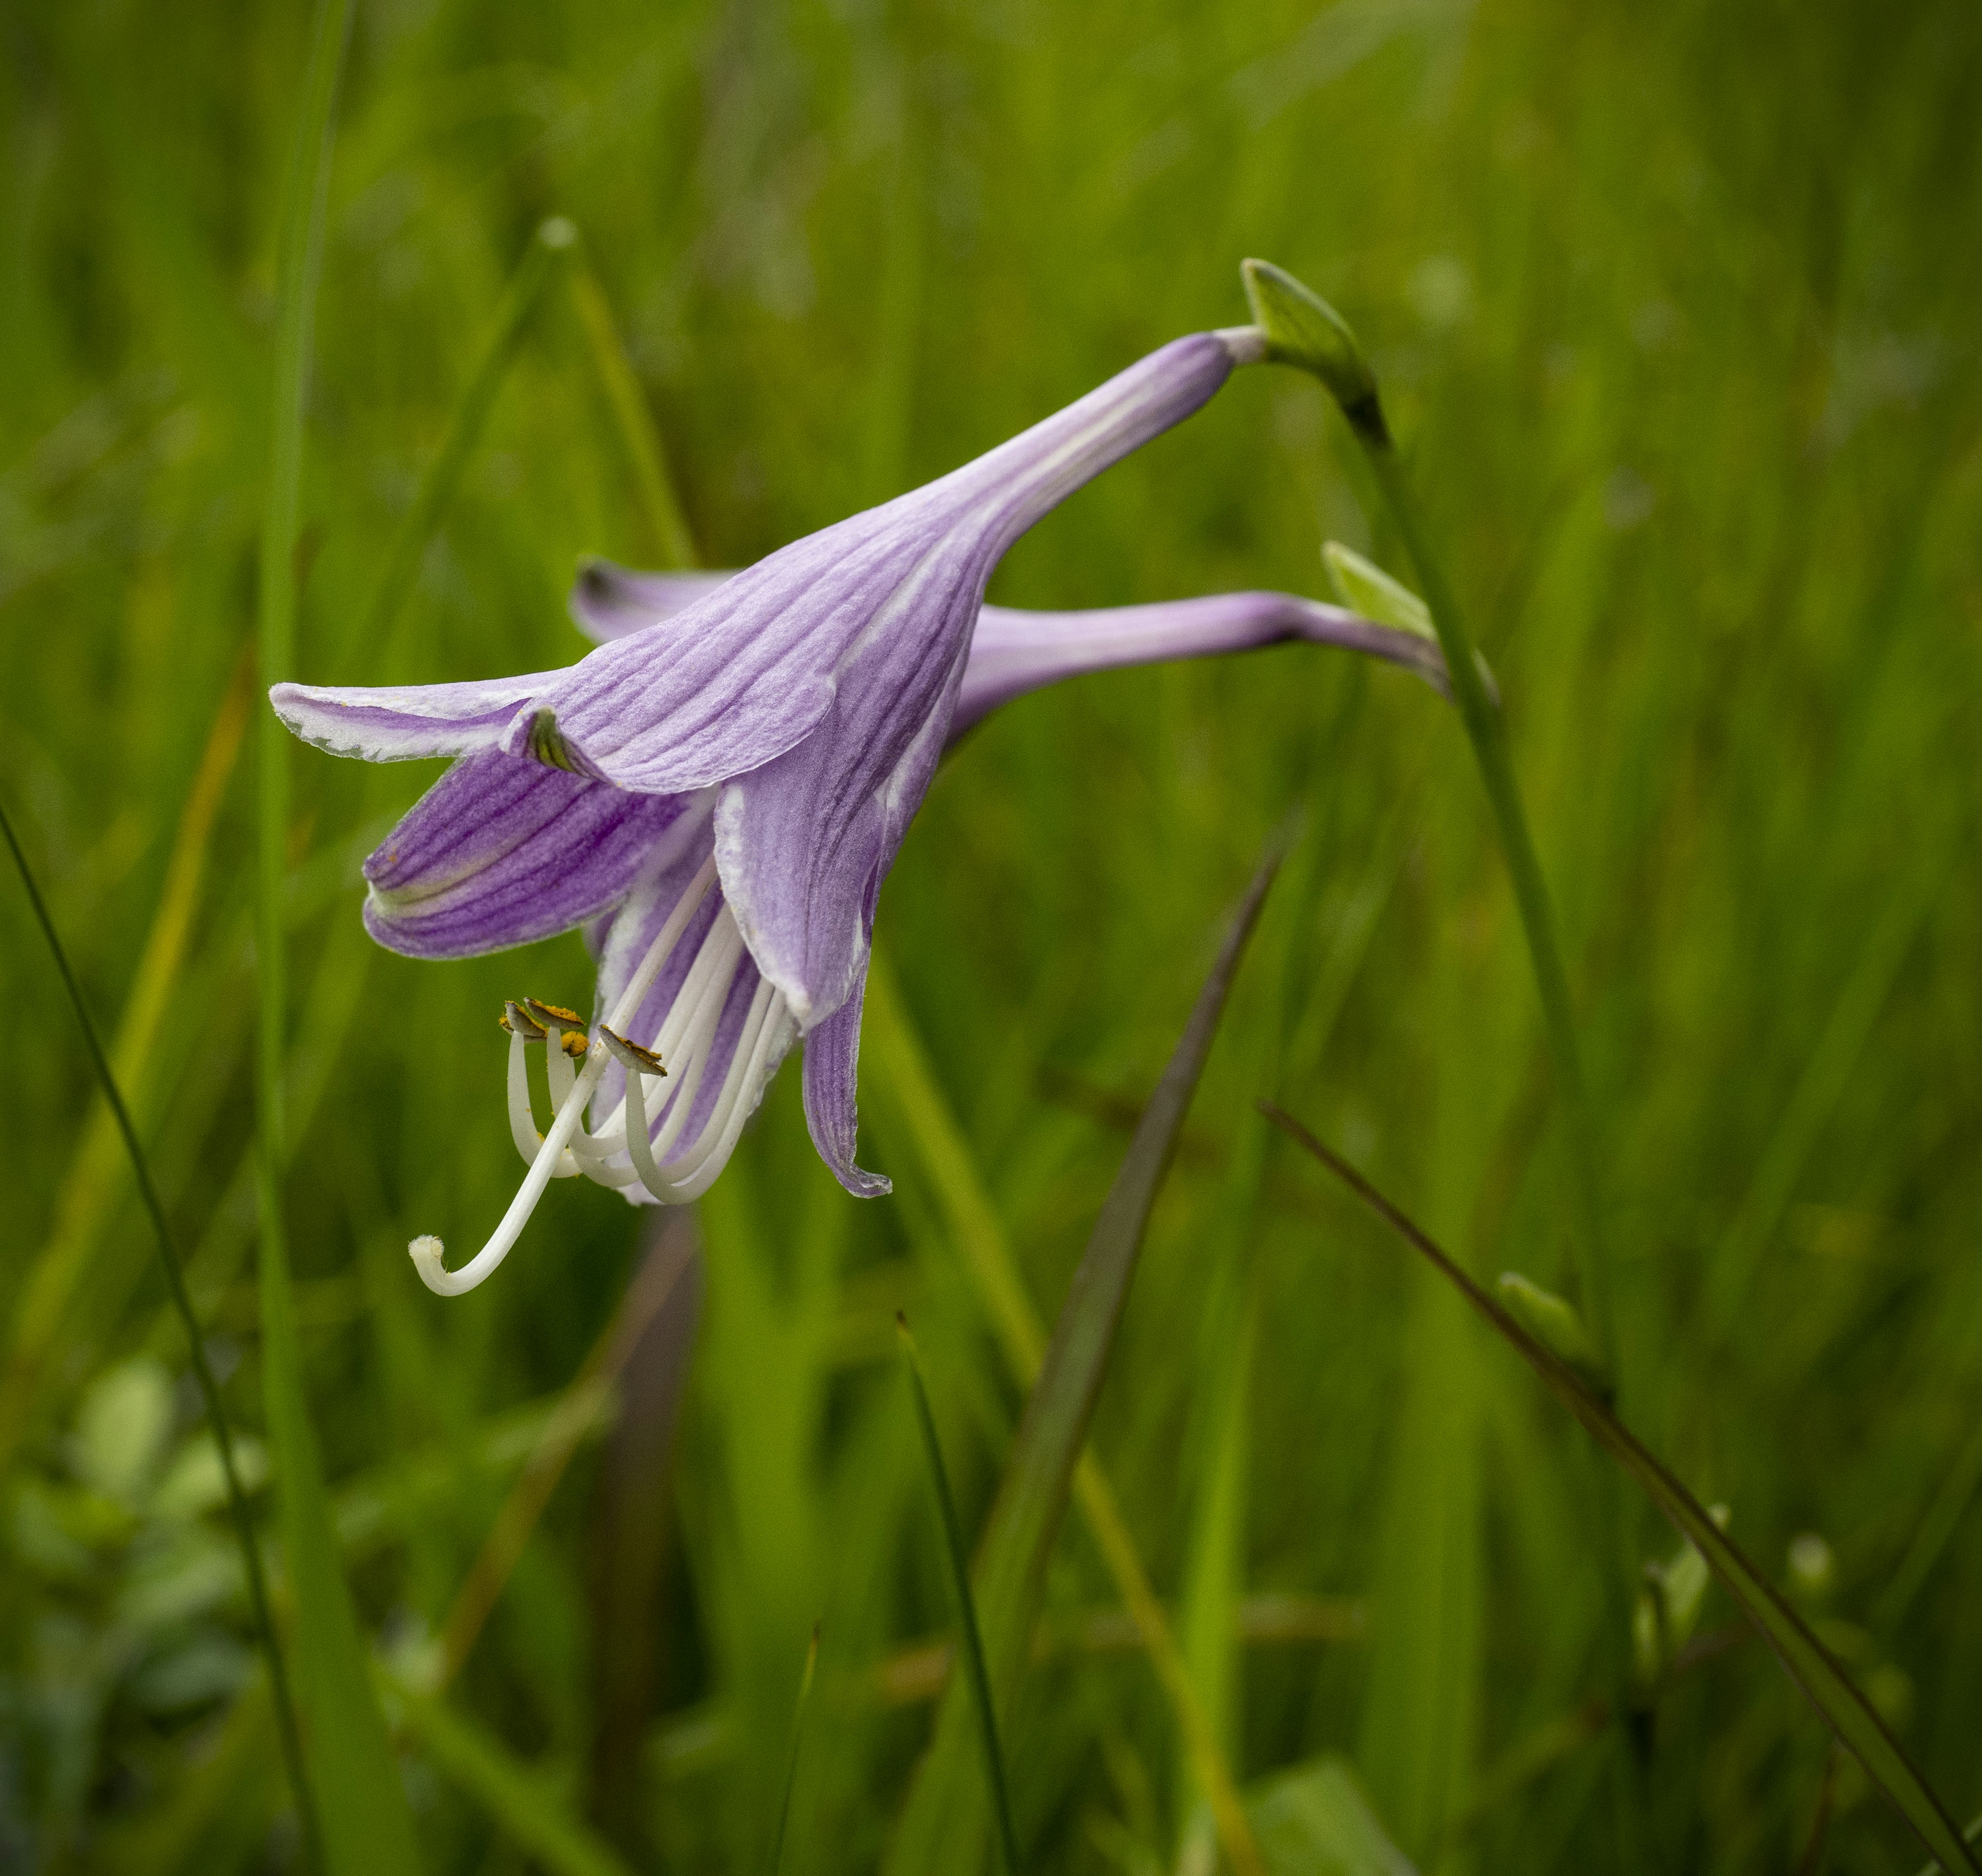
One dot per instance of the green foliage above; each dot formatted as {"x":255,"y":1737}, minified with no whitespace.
{"x":1672,"y":316}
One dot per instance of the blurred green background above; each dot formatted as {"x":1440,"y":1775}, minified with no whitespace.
{"x":1675,"y":311}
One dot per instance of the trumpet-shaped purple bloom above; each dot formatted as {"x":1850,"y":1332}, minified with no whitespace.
{"x":717,"y":792}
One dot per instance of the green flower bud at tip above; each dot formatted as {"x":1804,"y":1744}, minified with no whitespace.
{"x":1302,"y":329}
{"x":1553,"y":1323}
{"x":1364,"y":587}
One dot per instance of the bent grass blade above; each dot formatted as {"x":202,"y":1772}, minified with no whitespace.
{"x":553,"y":239}
{"x":1040,"y":1473}
{"x":1850,"y":1715}
{"x":209,"y":1390}
{"x":911,"y":1097}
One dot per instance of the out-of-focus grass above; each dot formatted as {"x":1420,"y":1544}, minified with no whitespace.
{"x":1675,"y":316}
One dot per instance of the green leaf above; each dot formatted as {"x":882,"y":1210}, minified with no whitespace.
{"x":513,"y":1793}
{"x":912,"y":1100}
{"x":945,"y":1802}
{"x":1314,"y":1821}
{"x":1829,"y":1689}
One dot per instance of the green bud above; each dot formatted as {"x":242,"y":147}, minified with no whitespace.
{"x":1364,"y":587}
{"x":1683,"y":1580}
{"x":1553,"y":1323}
{"x":1668,"y":1607}
{"x":1648,"y":1642}
{"x":1302,"y":329}
{"x":1813,"y":1566}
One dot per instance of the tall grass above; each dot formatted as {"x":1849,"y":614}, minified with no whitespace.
{"x":1673,"y":312}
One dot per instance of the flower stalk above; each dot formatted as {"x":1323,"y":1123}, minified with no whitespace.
{"x":1303,"y":330}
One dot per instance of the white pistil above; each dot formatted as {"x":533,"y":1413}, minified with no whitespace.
{"x":427,"y":1252}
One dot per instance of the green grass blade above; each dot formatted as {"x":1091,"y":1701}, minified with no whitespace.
{"x":911,"y":1099}
{"x":57,"y":1275}
{"x":366,"y":1828}
{"x":514,"y":1793}
{"x":209,"y":1390}
{"x":798,"y":1721}
{"x":1972,"y":1835}
{"x":1826,"y":1076}
{"x":658,"y":501}
{"x":1040,"y":1472}
{"x":958,"y":1557}
{"x":553,"y":240}
{"x":1850,"y":1716}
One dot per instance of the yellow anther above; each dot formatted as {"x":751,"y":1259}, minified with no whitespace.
{"x":519,"y":1022}
{"x":553,"y":1016}
{"x":573,"y":1043}
{"x":630,"y":1054}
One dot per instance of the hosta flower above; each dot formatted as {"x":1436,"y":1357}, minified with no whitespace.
{"x":717,"y":794}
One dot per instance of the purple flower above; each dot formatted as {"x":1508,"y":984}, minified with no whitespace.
{"x":718,"y":792}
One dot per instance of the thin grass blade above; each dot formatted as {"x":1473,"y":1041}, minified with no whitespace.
{"x":365,"y":1825}
{"x":912,"y":1100}
{"x":56,"y":1277}
{"x":209,"y":1389}
{"x":529,"y":1813}
{"x":553,"y":240}
{"x":657,"y":498}
{"x":958,"y":1559}
{"x":1039,"y":1474}
{"x":798,"y":1739}
{"x":1829,"y":1689}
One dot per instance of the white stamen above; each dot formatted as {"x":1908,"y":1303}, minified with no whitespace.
{"x":522,"y":1116}
{"x":692,"y":1174}
{"x":715,"y":966}
{"x":551,"y":1157}
{"x":665,"y":940}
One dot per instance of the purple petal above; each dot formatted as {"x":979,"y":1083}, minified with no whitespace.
{"x":400,"y":722}
{"x":803,"y":843}
{"x":733,"y":682}
{"x":607,"y":601}
{"x":832,"y":1058}
{"x":736,"y":678}
{"x":1014,"y":652}
{"x":500,"y":852}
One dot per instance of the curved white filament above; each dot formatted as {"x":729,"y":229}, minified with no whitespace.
{"x":427,"y":1252}
{"x":693,"y":1175}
